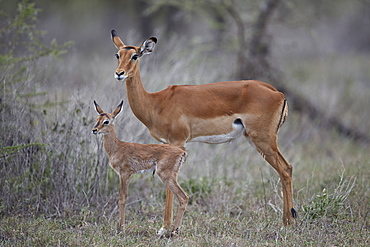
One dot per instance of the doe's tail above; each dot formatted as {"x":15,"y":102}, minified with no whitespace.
{"x":283,"y":115}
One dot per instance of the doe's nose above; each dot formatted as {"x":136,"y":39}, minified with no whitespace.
{"x":95,"y":131}
{"x":120,"y":73}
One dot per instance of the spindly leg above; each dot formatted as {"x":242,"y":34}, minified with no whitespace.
{"x":267,"y":146}
{"x":284,"y":169}
{"x":168,"y":210}
{"x":123,"y":191}
{"x":170,"y":179}
{"x":182,"y":198}
{"x":289,"y":212}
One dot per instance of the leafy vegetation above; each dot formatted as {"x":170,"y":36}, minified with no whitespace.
{"x":329,"y":205}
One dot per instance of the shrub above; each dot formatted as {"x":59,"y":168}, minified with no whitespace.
{"x":329,"y":205}
{"x":24,"y":147}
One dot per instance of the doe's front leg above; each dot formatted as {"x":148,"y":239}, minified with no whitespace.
{"x":168,"y":213}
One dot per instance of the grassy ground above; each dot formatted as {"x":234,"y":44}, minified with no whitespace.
{"x":234,"y":204}
{"x":199,"y":229}
{"x":229,"y":213}
{"x":66,"y":195}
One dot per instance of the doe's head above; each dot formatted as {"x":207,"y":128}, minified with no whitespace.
{"x":104,"y":122}
{"x":128,"y":56}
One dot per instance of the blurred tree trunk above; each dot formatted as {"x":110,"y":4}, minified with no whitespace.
{"x":144,"y":21}
{"x":255,"y":63}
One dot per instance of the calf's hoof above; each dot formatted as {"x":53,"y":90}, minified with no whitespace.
{"x":164,"y":233}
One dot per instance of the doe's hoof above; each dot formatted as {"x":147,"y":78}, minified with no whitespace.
{"x":294,"y":213}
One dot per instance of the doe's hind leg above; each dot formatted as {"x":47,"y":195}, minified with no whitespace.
{"x":268,"y":148}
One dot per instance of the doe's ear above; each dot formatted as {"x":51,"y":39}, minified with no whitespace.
{"x":117,"y":40}
{"x":98,"y":109}
{"x":117,"y":110}
{"x":147,"y":46}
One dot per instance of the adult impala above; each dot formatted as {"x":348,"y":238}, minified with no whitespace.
{"x":210,"y":113}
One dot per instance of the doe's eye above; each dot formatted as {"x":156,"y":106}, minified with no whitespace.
{"x":106,"y":122}
{"x":134,"y":57}
{"x":117,"y":56}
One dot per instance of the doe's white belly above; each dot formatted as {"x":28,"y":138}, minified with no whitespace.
{"x":238,"y":130}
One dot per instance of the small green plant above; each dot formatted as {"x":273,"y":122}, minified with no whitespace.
{"x":329,"y":205}
{"x":197,"y":188}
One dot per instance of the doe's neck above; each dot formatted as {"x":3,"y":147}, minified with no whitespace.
{"x":141,"y":102}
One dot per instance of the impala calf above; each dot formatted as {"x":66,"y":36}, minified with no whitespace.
{"x":129,"y":158}
{"x":210,"y":113}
